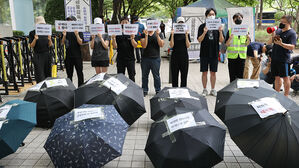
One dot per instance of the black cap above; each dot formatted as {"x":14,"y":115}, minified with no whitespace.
{"x":71,"y":18}
{"x":135,"y":18}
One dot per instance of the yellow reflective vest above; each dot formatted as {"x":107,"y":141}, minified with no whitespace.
{"x":237,"y":47}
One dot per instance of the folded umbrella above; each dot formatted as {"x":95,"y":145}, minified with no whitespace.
{"x":17,"y":119}
{"x":262,"y":122}
{"x":169,"y":98}
{"x":188,"y":139}
{"x":54,"y":98}
{"x":89,"y":136}
{"x":117,"y":90}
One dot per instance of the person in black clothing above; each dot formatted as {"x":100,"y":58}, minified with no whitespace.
{"x":41,"y":47}
{"x":162,"y":27}
{"x":179,"y":58}
{"x":209,"y":51}
{"x":125,"y":52}
{"x":72,"y":41}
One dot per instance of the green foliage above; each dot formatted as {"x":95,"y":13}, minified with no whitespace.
{"x":4,"y":12}
{"x":252,"y":3}
{"x":54,"y":11}
{"x":18,"y":33}
{"x":261,"y":36}
{"x":39,"y":7}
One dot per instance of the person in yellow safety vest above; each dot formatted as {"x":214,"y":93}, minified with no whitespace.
{"x":236,"y":50}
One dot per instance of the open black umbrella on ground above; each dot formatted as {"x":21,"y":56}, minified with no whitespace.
{"x":169,"y":98}
{"x":54,"y":98}
{"x":117,"y":90}
{"x":271,"y":141}
{"x":89,"y":136}
{"x":186,"y":139}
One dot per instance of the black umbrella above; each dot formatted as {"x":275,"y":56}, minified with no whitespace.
{"x":272,"y":141}
{"x":117,"y":90}
{"x":54,"y":98}
{"x":169,"y":98}
{"x":186,"y":139}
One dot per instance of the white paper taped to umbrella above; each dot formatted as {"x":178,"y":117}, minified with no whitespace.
{"x":181,"y":121}
{"x":179,"y":93}
{"x":88,"y":113}
{"x":98,"y":77}
{"x":37,"y":86}
{"x":247,"y":84}
{"x":56,"y":82}
{"x":267,"y":106}
{"x":1,"y":123}
{"x":115,"y":85}
{"x":4,"y":111}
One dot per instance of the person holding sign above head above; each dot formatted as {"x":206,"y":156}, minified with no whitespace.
{"x":179,"y":42}
{"x":151,"y":42}
{"x":73,"y":41}
{"x":236,"y":49}
{"x":41,"y":45}
{"x":210,"y":34}
{"x":125,"y":45}
{"x":99,"y":43}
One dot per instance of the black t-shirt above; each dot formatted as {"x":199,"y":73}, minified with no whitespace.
{"x":72,"y":46}
{"x":41,"y":45}
{"x":125,"y":49}
{"x":162,"y":27}
{"x":209,"y":47}
{"x":280,"y":54}
{"x":153,"y":49}
{"x":254,"y":46}
{"x":100,"y":53}
{"x":180,"y":48}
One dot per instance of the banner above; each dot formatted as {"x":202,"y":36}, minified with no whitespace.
{"x":152,"y":25}
{"x":114,"y":30}
{"x":97,"y":28}
{"x":240,"y":30}
{"x":69,"y":26}
{"x":213,"y":24}
{"x":180,"y":28}
{"x":130,"y":29}
{"x":43,"y":29}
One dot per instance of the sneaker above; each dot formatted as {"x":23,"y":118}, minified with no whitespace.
{"x":213,"y":92}
{"x":144,"y":94}
{"x":205,"y":92}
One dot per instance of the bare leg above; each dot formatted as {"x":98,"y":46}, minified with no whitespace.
{"x":278,"y":83}
{"x":204,"y":79}
{"x":213,"y":79}
{"x":104,"y":69}
{"x":98,"y":70}
{"x":287,"y":85}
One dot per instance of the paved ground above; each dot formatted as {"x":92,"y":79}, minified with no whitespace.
{"x":34,"y":155}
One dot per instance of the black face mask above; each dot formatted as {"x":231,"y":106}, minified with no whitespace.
{"x":282,"y":26}
{"x":238,"y":21}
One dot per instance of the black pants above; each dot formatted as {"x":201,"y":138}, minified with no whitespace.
{"x":42,"y":66}
{"x":236,"y":68}
{"x":139,"y":52}
{"x":163,"y":32}
{"x":182,"y":66}
{"x":130,"y":65}
{"x":69,"y":66}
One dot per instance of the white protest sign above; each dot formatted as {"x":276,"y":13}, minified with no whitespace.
{"x":37,"y":86}
{"x":114,"y":30}
{"x":240,"y":30}
{"x":115,"y":85}
{"x":56,"y":82}
{"x":43,"y":29}
{"x":98,"y":77}
{"x":180,"y":28}
{"x":88,"y":113}
{"x":179,"y":93}
{"x":181,"y":121}
{"x":213,"y":24}
{"x":267,"y":106}
{"x":4,"y":111}
{"x":152,"y":25}
{"x":60,"y":25}
{"x":97,"y":28}
{"x":130,"y":29}
{"x":247,"y":84}
{"x":76,"y":25}
{"x":1,"y":123}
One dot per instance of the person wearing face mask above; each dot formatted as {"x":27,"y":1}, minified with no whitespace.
{"x":179,"y":58}
{"x":125,"y":45}
{"x":236,"y":50}
{"x":284,"y":40}
{"x":209,"y":51}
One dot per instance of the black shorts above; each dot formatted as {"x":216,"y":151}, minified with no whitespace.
{"x":205,"y":62}
{"x":280,"y":69}
{"x":100,"y":63}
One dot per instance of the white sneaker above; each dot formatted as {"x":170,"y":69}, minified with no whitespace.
{"x":213,"y":92}
{"x":205,"y":92}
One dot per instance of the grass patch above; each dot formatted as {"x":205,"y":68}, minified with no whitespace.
{"x":261,"y":36}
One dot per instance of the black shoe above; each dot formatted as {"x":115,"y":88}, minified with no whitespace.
{"x":144,"y":94}
{"x":138,"y":61}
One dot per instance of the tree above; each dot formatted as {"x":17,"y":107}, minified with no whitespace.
{"x":54,"y":11}
{"x":260,"y":15}
{"x":4,"y":12}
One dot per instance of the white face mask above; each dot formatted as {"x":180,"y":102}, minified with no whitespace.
{"x":211,"y":17}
